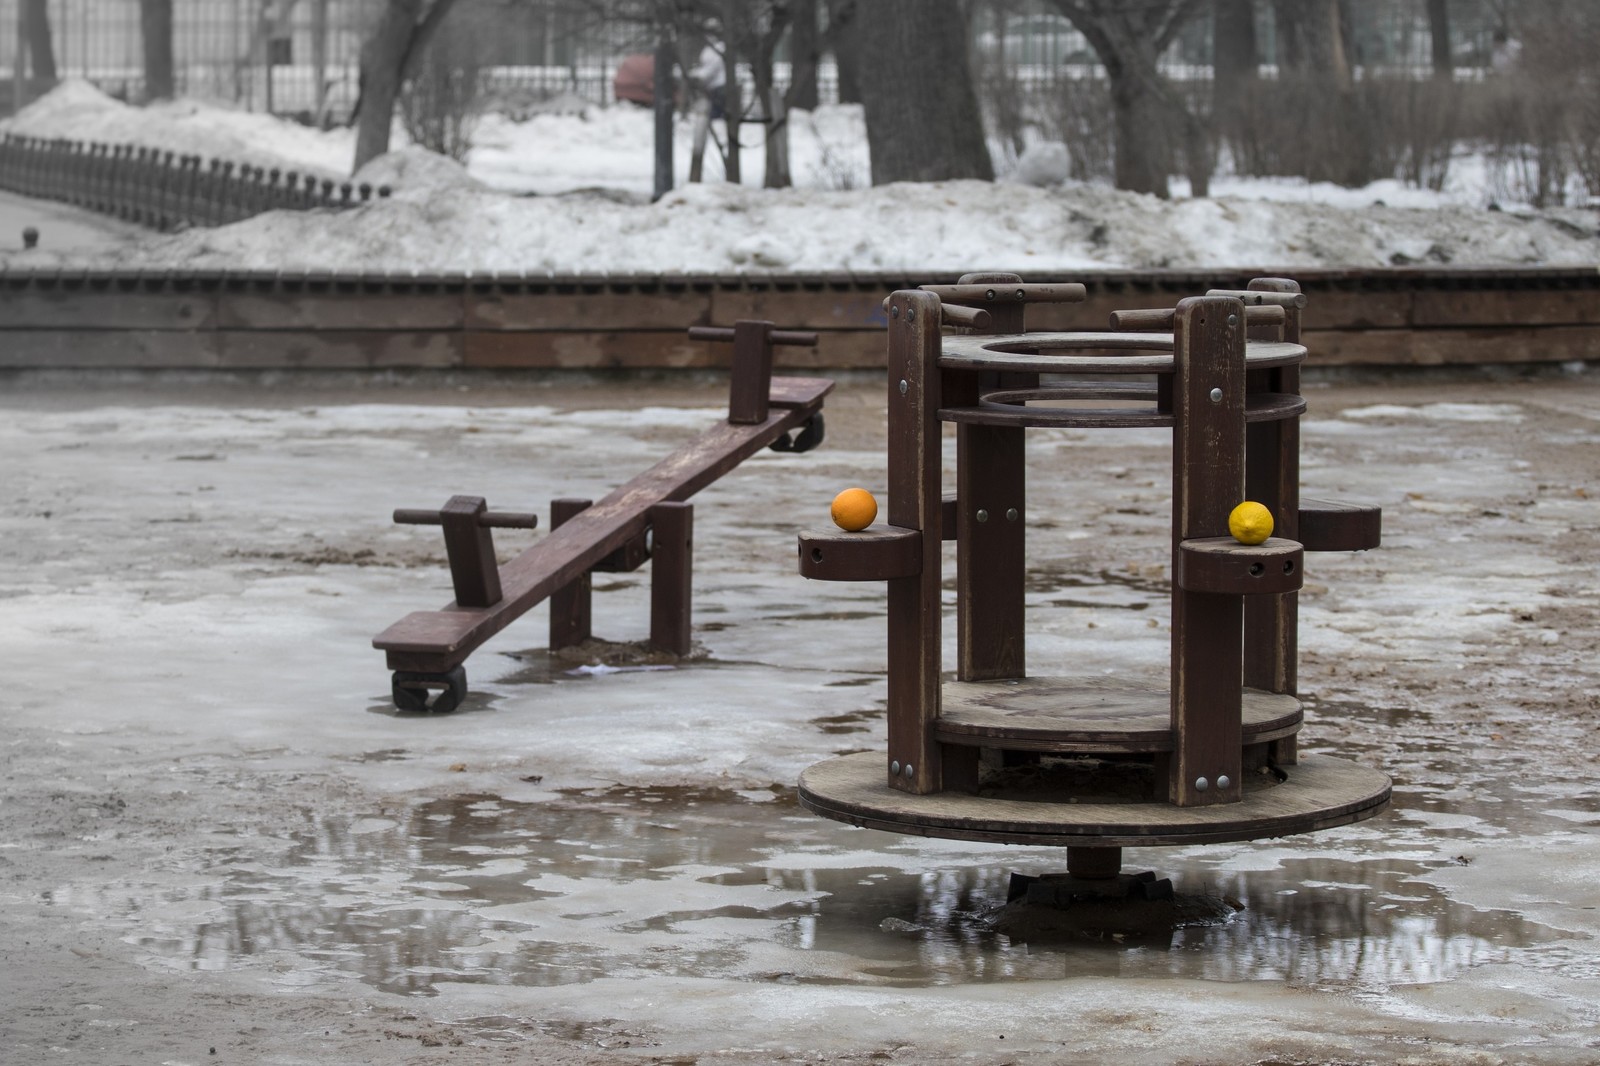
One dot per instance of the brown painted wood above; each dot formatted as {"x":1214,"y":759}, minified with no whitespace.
{"x":1453,"y":347}
{"x":578,"y":308}
{"x":437,"y":641}
{"x":671,"y":576}
{"x":571,"y":605}
{"x":1001,"y":292}
{"x":1223,"y":565}
{"x":1088,"y":353}
{"x":1326,"y":526}
{"x":877,"y":553}
{"x":827,"y":308}
{"x":752,"y":372}
{"x":103,"y":306}
{"x":469,"y":545}
{"x":1321,"y":793}
{"x":1265,"y":297}
{"x":991,"y":545}
{"x":336,"y":349}
{"x":1262,"y":407}
{"x":1004,"y":317}
{"x":1272,"y":478}
{"x":340,"y":307}
{"x":1101,"y":715}
{"x":915,"y":502}
{"x":1208,"y":481}
{"x":1160,"y":319}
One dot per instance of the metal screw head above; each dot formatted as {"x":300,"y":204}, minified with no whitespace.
{"x":1233,"y":320}
{"x":1216,"y":395}
{"x":911,"y":314}
{"x":894,"y":767}
{"x":1223,"y":782}
{"x":894,"y":312}
{"x":909,"y":772}
{"x":988,"y":294}
{"x":1201,"y":784}
{"x":983,"y":516}
{"x":1011,"y":514}
{"x":904,"y":385}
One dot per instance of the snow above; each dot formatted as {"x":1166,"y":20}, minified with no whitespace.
{"x":568,"y":191}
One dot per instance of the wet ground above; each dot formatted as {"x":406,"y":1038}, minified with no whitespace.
{"x":217,"y":833}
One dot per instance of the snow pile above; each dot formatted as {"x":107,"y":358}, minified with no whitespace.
{"x":80,"y":111}
{"x":938,"y":226}
{"x":418,"y":174}
{"x":591,"y":172}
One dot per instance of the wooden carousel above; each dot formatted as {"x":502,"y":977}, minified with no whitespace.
{"x":994,"y":753}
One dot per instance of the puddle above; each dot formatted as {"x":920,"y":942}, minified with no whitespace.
{"x":748,"y":887}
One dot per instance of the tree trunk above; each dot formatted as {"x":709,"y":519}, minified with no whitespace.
{"x":403,"y":30}
{"x":1234,"y":63}
{"x":155,"y":29}
{"x":319,"y":56}
{"x":1439,"y":30}
{"x":666,"y":58}
{"x":34,"y":19}
{"x":1143,"y":158}
{"x":804,"y":51}
{"x":842,"y":21}
{"x":923,"y":122}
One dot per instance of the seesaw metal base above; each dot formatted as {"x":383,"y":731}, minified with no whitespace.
{"x":1321,"y":792}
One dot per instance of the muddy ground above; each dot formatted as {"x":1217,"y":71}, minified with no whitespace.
{"x":220,"y":843}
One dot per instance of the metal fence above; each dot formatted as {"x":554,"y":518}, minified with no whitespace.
{"x":302,"y":56}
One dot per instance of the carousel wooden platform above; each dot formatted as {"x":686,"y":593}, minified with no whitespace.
{"x":1208,"y":753}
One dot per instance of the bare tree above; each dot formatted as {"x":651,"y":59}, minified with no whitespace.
{"x":35,"y":71}
{"x":805,"y":50}
{"x":1129,"y":38}
{"x":1235,"y":62}
{"x":155,"y":31}
{"x":1439,"y":31}
{"x":402,"y":30}
{"x":923,"y":122}
{"x":842,"y":41}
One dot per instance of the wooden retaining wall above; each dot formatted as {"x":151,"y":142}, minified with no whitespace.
{"x":152,"y":320}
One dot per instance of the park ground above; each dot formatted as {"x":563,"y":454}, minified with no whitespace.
{"x":219,"y":842}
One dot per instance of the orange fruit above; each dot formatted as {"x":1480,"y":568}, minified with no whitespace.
{"x":1250,"y":523}
{"x":854,"y":509}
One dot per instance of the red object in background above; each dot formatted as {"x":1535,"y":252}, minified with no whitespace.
{"x":635,"y":80}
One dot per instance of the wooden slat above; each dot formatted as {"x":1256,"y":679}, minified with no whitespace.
{"x":1452,"y":347}
{"x":100,"y":306}
{"x":991,"y":563}
{"x":499,"y":309}
{"x":915,"y":439}
{"x":824,"y":309}
{"x":145,"y":349}
{"x":1208,"y":481}
{"x":338,"y":308}
{"x":336,"y":349}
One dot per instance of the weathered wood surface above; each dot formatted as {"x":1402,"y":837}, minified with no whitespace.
{"x":77,"y":318}
{"x":1093,"y":714}
{"x":1321,"y":793}
{"x":877,"y":553}
{"x":436,"y":641}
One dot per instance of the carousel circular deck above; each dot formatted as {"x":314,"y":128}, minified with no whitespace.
{"x":1321,"y":792}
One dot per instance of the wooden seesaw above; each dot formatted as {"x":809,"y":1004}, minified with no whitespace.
{"x":1091,"y":763}
{"x":648,"y":518}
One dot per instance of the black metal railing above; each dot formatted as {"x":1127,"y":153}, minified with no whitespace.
{"x":162,"y":189}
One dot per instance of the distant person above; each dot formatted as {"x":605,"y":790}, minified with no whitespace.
{"x":712,"y":77}
{"x":635,"y":80}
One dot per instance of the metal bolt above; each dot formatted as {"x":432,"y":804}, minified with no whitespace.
{"x":989,"y":294}
{"x":911,"y":314}
{"x":1011,"y":514}
{"x":1233,"y":320}
{"x":894,"y":311}
{"x":1223,"y":782}
{"x":1216,"y":395}
{"x":983,"y":516}
{"x":1201,"y":784}
{"x":894,"y":767}
{"x":1020,"y":294}
{"x":904,"y":385}
{"x":909,"y":771}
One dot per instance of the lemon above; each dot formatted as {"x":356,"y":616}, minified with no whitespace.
{"x":854,"y":509}
{"x":1250,"y":523}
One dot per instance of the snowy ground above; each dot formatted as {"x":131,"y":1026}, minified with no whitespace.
{"x":217,"y":835}
{"x":569,"y":193}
